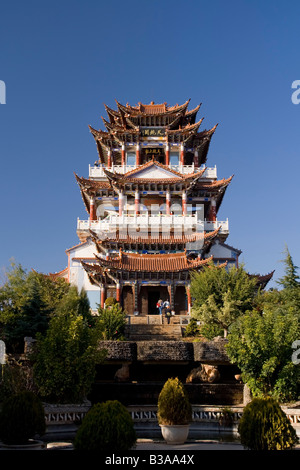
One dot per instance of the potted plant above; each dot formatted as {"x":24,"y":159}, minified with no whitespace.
{"x":22,"y":419}
{"x":174,"y":412}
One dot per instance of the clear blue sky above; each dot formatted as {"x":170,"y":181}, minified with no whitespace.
{"x":62,"y":60}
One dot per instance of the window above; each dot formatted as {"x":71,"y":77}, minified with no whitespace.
{"x":174,"y":158}
{"x":131,"y":159}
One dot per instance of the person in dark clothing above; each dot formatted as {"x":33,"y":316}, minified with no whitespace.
{"x":168,"y":314}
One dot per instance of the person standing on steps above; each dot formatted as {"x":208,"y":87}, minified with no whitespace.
{"x":160,"y":306}
{"x":168,"y":314}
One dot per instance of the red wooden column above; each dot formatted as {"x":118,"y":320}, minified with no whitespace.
{"x":167,"y":154}
{"x":93,"y":215}
{"x":182,"y":154}
{"x":168,"y":202}
{"x":102,"y":296}
{"x":137,"y":202}
{"x":184,"y":211}
{"x":109,"y":158}
{"x":123,"y":155}
{"x":212,"y":217}
{"x":138,"y":155}
{"x":189,"y":299}
{"x":121,"y":203}
{"x":118,"y":292}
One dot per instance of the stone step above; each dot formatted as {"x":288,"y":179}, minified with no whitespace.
{"x":156,"y":319}
{"x":153,"y":332}
{"x":153,"y":338}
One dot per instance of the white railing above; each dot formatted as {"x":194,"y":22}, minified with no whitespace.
{"x":142,"y":221}
{"x":210,"y":226}
{"x":210,"y":173}
{"x":97,"y":171}
{"x":160,"y":222}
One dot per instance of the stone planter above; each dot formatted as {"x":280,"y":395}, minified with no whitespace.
{"x":175,"y":434}
{"x":31,"y":445}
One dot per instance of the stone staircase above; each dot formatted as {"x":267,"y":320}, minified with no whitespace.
{"x":153,"y":328}
{"x":153,"y":332}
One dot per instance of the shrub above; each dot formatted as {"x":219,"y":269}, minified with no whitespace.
{"x":112,"y":322}
{"x":22,"y":417}
{"x":260,"y":345}
{"x":16,"y":377}
{"x":264,"y":426}
{"x":192,"y":328}
{"x":173,"y":404}
{"x":65,"y":359}
{"x":106,"y":427}
{"x":210,"y":331}
{"x":109,"y":302}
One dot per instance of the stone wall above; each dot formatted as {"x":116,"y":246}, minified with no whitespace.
{"x":208,"y":352}
{"x":119,"y":350}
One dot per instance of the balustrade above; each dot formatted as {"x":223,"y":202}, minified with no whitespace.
{"x":112,"y":222}
{"x":98,"y":171}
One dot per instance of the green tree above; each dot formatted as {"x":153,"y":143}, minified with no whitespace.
{"x":77,"y":303}
{"x":290,"y":280}
{"x":23,"y":309}
{"x":221,"y":295}
{"x":260,"y":344}
{"x":66,"y":357}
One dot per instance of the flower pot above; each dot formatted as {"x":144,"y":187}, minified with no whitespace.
{"x":30,"y":445}
{"x":175,"y":434}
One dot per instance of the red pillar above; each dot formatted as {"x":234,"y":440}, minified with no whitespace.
{"x":118,"y":293}
{"x":109,"y":159}
{"x":183,"y":202}
{"x":93,"y":215}
{"x":167,"y":154}
{"x":168,"y":202}
{"x":182,"y":154}
{"x":138,"y":158}
{"x":189,"y":300}
{"x":123,"y":155}
{"x":102,"y":299}
{"x":137,"y":202}
{"x":121,"y":201}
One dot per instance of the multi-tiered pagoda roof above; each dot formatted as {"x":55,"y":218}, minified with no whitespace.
{"x":152,"y":205}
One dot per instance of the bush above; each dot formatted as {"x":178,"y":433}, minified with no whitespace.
{"x":17,"y":376}
{"x":112,"y":322}
{"x":264,"y":426}
{"x":65,"y":359}
{"x":22,"y":417}
{"x":106,"y":427}
{"x":260,"y":345}
{"x":210,"y":331}
{"x":110,"y":301}
{"x":192,"y":328}
{"x":173,"y":404}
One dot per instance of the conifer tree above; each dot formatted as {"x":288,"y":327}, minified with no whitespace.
{"x":290,"y":280}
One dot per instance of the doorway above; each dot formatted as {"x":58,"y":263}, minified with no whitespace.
{"x":153,"y":298}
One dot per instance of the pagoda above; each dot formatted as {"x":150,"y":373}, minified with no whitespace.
{"x":152,"y":205}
